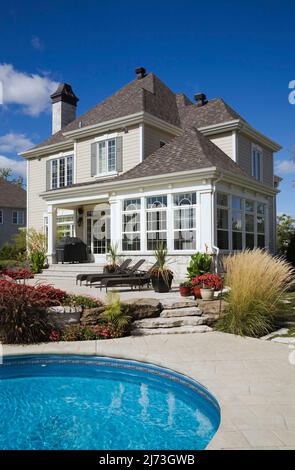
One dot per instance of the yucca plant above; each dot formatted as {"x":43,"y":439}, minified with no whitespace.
{"x":161,"y":275}
{"x":114,"y":313}
{"x":256,"y":282}
{"x":113,"y":257}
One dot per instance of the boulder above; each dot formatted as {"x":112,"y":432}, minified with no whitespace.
{"x":142,"y":308}
{"x":63,"y":316}
{"x":214,"y":308}
{"x":90,"y":316}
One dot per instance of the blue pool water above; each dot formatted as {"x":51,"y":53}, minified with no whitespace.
{"x":82,"y":402}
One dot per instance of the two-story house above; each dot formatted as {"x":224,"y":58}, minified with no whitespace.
{"x":12,"y":210}
{"x":149,"y":165}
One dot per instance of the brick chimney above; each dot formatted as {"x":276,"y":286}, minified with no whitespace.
{"x":64,"y":106}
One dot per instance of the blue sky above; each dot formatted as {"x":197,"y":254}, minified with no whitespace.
{"x":242,"y":51}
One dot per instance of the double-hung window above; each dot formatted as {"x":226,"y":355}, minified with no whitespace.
{"x":156,"y":222}
{"x":257,"y":162}
{"x":18,"y":217}
{"x":106,"y":156}
{"x":222,"y":221}
{"x":131,"y":225}
{"x":62,"y":172}
{"x":184,"y":215}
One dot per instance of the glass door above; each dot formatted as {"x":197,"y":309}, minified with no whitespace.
{"x":98,"y":231}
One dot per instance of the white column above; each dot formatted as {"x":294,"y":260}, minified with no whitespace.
{"x":205,"y":220}
{"x":115,"y":219}
{"x":143,"y":225}
{"x":170,"y":232}
{"x":51,"y":214}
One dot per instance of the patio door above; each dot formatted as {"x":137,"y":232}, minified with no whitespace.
{"x":98,"y":232}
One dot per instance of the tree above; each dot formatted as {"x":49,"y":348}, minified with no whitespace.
{"x":7,"y":173}
{"x":285,"y":232}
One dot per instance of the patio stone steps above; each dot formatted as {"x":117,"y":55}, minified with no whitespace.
{"x":178,"y":316}
{"x":172,"y":330}
{"x":68,"y":271}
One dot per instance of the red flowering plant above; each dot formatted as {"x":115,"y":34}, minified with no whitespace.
{"x":209,"y":281}
{"x":16,"y":274}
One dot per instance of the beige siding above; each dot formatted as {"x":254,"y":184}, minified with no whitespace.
{"x":244,"y":156}
{"x":224,"y":142}
{"x":152,"y":138}
{"x":131,"y":156}
{"x":36,"y":184}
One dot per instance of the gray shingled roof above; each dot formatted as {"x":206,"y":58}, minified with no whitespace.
{"x":148,"y":94}
{"x":189,"y":151}
{"x":12,"y":195}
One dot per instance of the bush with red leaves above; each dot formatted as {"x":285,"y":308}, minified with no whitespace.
{"x":212,"y":281}
{"x":23,"y":314}
{"x":16,"y":274}
{"x":50,"y":295}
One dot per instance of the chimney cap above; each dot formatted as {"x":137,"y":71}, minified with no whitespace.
{"x":64,"y":93}
{"x":140,"y":72}
{"x":201,"y":99}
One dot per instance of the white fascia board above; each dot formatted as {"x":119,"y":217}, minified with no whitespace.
{"x":247,"y":183}
{"x":245,"y":128}
{"x":48,"y":150}
{"x":94,"y":189}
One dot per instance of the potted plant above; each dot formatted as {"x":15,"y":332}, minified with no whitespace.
{"x":185,"y":289}
{"x":208,"y":283}
{"x":200,"y":263}
{"x":207,"y":293}
{"x":113,"y":257}
{"x":161,"y":275}
{"x":196,"y":288}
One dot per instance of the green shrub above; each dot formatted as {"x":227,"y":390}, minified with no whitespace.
{"x":200,"y":263}
{"x":8,"y":251}
{"x":257,"y":282}
{"x":115,"y":315}
{"x":82,"y":300}
{"x":37,"y":260}
{"x":290,"y":254}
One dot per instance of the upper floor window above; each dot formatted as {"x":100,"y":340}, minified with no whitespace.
{"x":18,"y":217}
{"x":106,"y":156}
{"x":62,"y":172}
{"x":257,"y":162}
{"x":1,"y":216}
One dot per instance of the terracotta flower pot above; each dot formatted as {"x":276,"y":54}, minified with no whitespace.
{"x":185,"y":291}
{"x":197,"y":292}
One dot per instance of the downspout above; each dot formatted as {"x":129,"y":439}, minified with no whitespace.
{"x":214,"y":248}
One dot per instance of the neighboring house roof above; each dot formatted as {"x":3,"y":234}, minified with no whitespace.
{"x":189,"y":151}
{"x":12,"y":195}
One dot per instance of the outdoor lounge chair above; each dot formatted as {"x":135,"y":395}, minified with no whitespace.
{"x":134,"y":280}
{"x":92,"y":278}
{"x":119,"y":269}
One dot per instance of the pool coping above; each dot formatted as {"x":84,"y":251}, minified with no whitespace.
{"x":249,"y":419}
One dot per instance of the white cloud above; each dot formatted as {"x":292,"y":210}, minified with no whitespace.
{"x":31,"y":92}
{"x":14,"y":143}
{"x":18,"y":167}
{"x":285,"y":166}
{"x":37,"y":43}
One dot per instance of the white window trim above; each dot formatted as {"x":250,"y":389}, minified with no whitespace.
{"x":255,"y":147}
{"x":99,"y":140}
{"x":17,"y":217}
{"x":139,"y":211}
{"x":65,"y":156}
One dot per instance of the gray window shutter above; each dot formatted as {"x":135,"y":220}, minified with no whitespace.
{"x":94,"y":159}
{"x":119,"y":147}
{"x":48,"y":175}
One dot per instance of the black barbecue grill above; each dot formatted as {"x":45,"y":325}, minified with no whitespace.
{"x":71,"y":250}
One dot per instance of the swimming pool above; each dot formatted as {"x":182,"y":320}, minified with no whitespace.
{"x":86,"y":402}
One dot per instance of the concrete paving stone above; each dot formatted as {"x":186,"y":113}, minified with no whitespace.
{"x":263,"y":438}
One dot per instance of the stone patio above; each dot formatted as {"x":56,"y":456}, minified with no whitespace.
{"x":252,"y":379}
